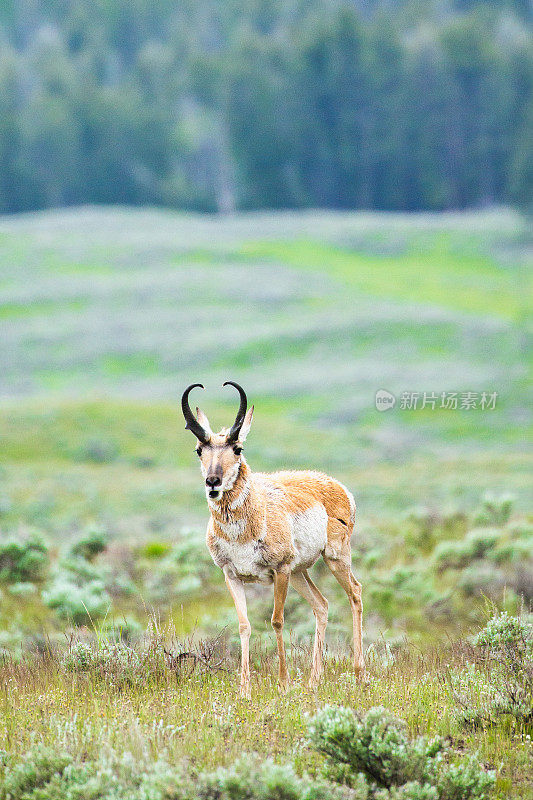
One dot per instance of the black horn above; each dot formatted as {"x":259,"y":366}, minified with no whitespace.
{"x":233,"y":435}
{"x":192,"y":423}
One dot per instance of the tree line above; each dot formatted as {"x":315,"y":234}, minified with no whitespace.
{"x":246,"y":104}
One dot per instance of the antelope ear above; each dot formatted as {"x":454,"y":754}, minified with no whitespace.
{"x":204,"y":422}
{"x":246,"y":425}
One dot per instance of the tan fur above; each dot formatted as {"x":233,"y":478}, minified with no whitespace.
{"x":251,"y":536}
{"x":275,"y":495}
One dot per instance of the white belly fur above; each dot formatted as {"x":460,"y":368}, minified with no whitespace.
{"x":309,"y":536}
{"x":246,"y":560}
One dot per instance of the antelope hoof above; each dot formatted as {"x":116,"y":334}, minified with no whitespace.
{"x":245,"y":693}
{"x":314,"y":680}
{"x":361,"y":674}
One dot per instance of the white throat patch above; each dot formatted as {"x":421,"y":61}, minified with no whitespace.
{"x":232,"y":529}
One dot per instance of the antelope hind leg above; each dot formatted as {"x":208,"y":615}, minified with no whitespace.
{"x":338,"y":557}
{"x":307,"y":589}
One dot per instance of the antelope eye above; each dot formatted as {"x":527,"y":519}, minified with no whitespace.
{"x":237,"y":450}
{"x":198,"y":451}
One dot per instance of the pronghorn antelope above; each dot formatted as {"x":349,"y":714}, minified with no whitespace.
{"x":271,"y":528}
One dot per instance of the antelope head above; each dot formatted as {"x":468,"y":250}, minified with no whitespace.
{"x":220,"y":453}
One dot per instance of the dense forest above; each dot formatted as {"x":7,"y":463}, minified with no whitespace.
{"x":225,"y":104}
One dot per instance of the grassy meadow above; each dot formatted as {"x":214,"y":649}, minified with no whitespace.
{"x":106,"y":315}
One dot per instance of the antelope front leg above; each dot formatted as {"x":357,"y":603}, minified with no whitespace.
{"x":236,"y":589}
{"x":281,"y":584}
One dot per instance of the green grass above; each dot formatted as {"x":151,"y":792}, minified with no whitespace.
{"x":438,"y":274}
{"x":198,"y":717}
{"x":49,"y":476}
{"x":108,"y":313}
{"x":44,"y":307}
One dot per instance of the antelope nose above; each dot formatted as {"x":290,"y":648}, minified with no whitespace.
{"x":212,"y":481}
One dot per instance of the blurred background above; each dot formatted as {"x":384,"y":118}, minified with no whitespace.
{"x":218,"y":106}
{"x":319,"y":200}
